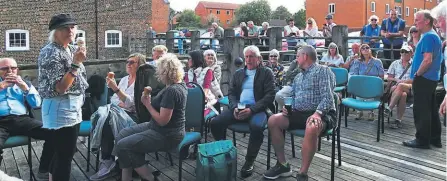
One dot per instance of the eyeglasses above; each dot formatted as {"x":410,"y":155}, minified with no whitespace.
{"x":130,"y":62}
{"x":373,"y":19}
{"x":274,"y":56}
{"x":404,"y":52}
{"x":7,"y":68}
{"x":365,"y":48}
{"x":413,"y":31}
{"x":211,"y":55}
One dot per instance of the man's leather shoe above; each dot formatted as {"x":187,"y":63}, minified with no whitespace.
{"x":416,"y":144}
{"x":247,"y":169}
{"x":436,"y":142}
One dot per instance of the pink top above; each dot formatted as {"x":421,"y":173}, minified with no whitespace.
{"x":207,"y":80}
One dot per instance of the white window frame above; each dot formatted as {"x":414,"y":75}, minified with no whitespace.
{"x":415,"y":10}
{"x":407,"y":9}
{"x":373,"y":6}
{"x":333,"y":9}
{"x":83,"y":33}
{"x":218,"y":12}
{"x":387,"y":8}
{"x":8,"y":45}
{"x":120,"y":37}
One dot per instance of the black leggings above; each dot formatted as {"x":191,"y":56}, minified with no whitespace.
{"x":64,"y":140}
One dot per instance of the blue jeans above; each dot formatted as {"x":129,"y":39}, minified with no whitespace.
{"x":257,"y":123}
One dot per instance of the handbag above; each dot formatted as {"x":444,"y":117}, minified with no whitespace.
{"x":387,"y":91}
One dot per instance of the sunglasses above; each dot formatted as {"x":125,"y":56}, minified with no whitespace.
{"x":373,"y":19}
{"x":309,"y":23}
{"x":7,"y":68}
{"x":211,"y":55}
{"x":365,"y":48}
{"x":130,"y":62}
{"x":274,"y":56}
{"x":413,"y":31}
{"x":404,"y":52}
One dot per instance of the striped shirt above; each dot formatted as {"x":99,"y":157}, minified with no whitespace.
{"x":313,"y":89}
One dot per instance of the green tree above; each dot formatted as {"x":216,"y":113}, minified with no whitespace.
{"x":281,"y":13}
{"x":257,"y":11}
{"x":300,"y":18}
{"x":188,"y":18}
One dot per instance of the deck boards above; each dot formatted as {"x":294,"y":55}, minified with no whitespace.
{"x":362,"y":157}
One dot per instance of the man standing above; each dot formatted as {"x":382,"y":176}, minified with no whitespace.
{"x":252,"y":90}
{"x":392,"y":27}
{"x":425,"y":73}
{"x":327,"y":29}
{"x":218,"y":31}
{"x":14,"y":118}
{"x":313,"y":109}
{"x":291,"y":31}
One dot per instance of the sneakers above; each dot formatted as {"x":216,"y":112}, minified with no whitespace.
{"x":42,"y":176}
{"x":302,"y":177}
{"x":106,"y":170}
{"x":247,"y":169}
{"x":370,"y":116}
{"x":279,"y":170}
{"x":387,"y":111}
{"x":359,"y":115}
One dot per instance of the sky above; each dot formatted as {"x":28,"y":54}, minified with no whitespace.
{"x":292,"y":5}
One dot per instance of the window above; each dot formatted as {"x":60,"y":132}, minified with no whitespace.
{"x":228,"y":12}
{"x":415,"y":10}
{"x":228,"y":22}
{"x":80,"y":33}
{"x":218,"y":12}
{"x":387,"y":8}
{"x":211,"y":11}
{"x":113,"y":38}
{"x":398,"y":9}
{"x":17,"y":40}
{"x":332,"y":8}
{"x":373,"y":6}
{"x":407,"y":11}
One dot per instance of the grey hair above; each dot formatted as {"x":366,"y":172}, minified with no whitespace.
{"x":253,"y":49}
{"x":52,"y":38}
{"x":309,"y":51}
{"x":250,"y":22}
{"x":265,"y":24}
{"x":373,"y":17}
{"x":440,"y":11}
{"x":214,"y":24}
{"x":274,"y":52}
{"x":427,"y":16}
{"x":243,"y":24}
{"x":211,"y":51}
{"x":5,"y":59}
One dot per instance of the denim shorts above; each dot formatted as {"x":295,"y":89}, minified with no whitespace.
{"x":62,"y":111}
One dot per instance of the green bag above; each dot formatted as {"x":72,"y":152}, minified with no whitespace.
{"x":216,"y":161}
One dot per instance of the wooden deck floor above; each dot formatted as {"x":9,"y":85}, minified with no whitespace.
{"x":362,"y":157}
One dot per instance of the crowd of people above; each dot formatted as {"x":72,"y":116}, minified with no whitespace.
{"x":123,"y":137}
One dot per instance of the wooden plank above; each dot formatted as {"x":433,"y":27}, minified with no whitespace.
{"x":10,"y":163}
{"x":22,"y":164}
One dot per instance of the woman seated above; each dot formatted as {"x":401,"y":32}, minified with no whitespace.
{"x":166,"y":129}
{"x":402,"y":89}
{"x":333,"y":57}
{"x":278,"y":69}
{"x":204,"y":76}
{"x":366,"y":65}
{"x":110,"y":119}
{"x":211,"y":61}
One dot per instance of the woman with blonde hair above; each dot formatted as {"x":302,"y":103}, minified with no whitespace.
{"x":413,"y":37}
{"x":166,"y":129}
{"x":311,"y":31}
{"x":211,"y":61}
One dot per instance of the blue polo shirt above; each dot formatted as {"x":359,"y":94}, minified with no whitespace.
{"x":368,"y":30}
{"x":429,"y":43}
{"x":393,"y":27}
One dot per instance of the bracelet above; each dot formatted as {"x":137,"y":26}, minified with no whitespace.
{"x":116,"y":91}
{"x":74,"y":66}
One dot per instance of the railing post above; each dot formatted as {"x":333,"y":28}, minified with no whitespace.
{"x":339,"y":37}
{"x":195,"y":40}
{"x":275,"y":38}
{"x":149,"y":42}
{"x":170,"y":41}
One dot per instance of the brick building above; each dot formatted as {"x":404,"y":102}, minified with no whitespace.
{"x":24,"y":25}
{"x":223,"y":11}
{"x":355,"y":13}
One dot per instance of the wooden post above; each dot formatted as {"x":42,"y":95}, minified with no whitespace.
{"x":149,"y":42}
{"x":170,"y":41}
{"x":275,"y":38}
{"x":195,"y":40}
{"x":339,"y":37}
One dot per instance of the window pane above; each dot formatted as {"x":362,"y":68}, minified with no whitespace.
{"x":11,"y":36}
{"x":17,"y":35}
{"x":23,"y":36}
{"x":109,"y":41}
{"x":23,"y":43}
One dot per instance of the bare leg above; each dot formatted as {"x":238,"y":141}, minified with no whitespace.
{"x":126,"y":174}
{"x":402,"y":106}
{"x":310,"y":144}
{"x":276,"y":124}
{"x":145,"y":172}
{"x":395,"y":97}
{"x":50,"y":177}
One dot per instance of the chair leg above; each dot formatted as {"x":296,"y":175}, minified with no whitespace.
{"x":206,"y":132}
{"x":30,"y":160}
{"x":383,"y":119}
{"x":180,"y":169}
{"x":293,"y":145}
{"x":170,"y":158}
{"x":338,"y":146}
{"x":88,"y":153}
{"x":156,"y":156}
{"x":234,"y":138}
{"x":346,"y":116}
{"x":333,"y":157}
{"x":378,"y":128}
{"x":268,"y":150}
{"x":319,"y":143}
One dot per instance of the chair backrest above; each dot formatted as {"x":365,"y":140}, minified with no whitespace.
{"x":445,"y":81}
{"x":195,"y":105}
{"x":341,"y":75}
{"x":365,"y":86}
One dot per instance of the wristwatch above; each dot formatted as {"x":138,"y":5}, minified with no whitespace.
{"x":319,"y":112}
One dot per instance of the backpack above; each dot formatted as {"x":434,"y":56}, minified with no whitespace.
{"x":216,"y":161}
{"x":145,"y":77}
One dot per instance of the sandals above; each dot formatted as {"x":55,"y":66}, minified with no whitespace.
{"x":396,"y":124}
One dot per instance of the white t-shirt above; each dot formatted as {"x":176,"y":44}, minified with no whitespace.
{"x":289,"y":30}
{"x":312,"y":32}
{"x":129,"y":103}
{"x":337,"y":60}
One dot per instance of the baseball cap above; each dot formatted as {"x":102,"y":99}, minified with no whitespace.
{"x":61,"y":20}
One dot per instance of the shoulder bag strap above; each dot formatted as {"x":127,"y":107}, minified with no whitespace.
{"x":405,"y":71}
{"x":369,"y":68}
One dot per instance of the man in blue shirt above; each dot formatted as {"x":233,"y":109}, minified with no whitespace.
{"x":392,"y":27}
{"x":14,"y":118}
{"x":370,"y":30}
{"x":425,"y":73}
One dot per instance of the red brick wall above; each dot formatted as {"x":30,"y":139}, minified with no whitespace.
{"x":160,"y":16}
{"x":223,"y":17}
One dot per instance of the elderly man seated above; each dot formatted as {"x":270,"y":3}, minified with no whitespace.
{"x":251,"y":91}
{"x":400,"y":74}
{"x":14,"y":118}
{"x":312,"y":109}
